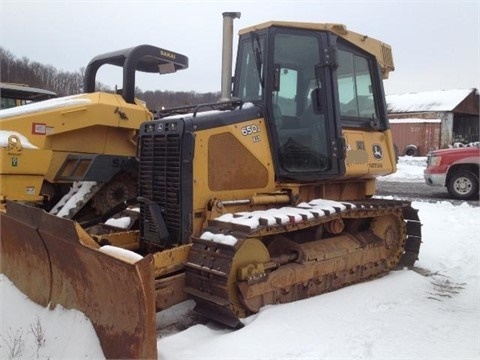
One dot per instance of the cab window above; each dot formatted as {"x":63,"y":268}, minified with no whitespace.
{"x":286,"y":96}
{"x":250,"y":76}
{"x":6,"y":103}
{"x":355,"y":89}
{"x":302,"y":134}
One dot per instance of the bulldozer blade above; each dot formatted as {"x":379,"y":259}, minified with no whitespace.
{"x":55,"y":262}
{"x":24,"y":257}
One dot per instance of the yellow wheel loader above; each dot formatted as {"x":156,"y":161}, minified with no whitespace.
{"x":262,"y":198}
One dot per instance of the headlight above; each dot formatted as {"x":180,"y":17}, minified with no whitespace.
{"x":434,"y":160}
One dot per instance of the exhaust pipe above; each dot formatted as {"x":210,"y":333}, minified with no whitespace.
{"x":227,"y":51}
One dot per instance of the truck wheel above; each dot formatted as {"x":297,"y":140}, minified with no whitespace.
{"x":410,"y":150}
{"x":463,"y":185}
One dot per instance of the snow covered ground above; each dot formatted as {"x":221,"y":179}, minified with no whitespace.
{"x":409,"y":169}
{"x":430,"y":313}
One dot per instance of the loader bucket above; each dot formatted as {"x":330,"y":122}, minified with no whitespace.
{"x":54,"y":261}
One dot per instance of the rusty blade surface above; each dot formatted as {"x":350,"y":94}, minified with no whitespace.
{"x":117,"y":296}
{"x":24,"y":258}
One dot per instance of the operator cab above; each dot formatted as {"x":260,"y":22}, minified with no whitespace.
{"x":311,"y":83}
{"x":12,"y":95}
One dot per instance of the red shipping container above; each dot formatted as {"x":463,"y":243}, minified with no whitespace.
{"x":416,"y":137}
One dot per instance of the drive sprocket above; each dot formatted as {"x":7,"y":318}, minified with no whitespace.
{"x":120,"y":188}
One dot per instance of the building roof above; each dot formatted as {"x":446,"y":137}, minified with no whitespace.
{"x":414,"y":121}
{"x":439,"y":100}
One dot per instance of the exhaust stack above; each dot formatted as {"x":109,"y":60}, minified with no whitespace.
{"x":227,"y":51}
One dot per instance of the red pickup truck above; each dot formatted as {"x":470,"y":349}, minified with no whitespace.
{"x":457,"y":169}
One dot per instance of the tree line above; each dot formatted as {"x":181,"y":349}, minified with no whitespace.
{"x":63,"y":83}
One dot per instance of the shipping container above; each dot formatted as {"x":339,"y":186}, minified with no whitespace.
{"x":416,"y":137}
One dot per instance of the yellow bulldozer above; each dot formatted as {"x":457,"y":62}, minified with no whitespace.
{"x":264,"y":197}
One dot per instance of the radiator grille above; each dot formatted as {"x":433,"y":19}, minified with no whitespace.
{"x":160,"y":182}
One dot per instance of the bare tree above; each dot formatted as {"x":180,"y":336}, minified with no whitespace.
{"x":32,"y":73}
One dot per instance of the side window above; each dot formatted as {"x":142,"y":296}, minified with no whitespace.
{"x":303,"y":138}
{"x":355,"y":86}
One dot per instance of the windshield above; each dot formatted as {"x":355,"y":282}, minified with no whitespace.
{"x":249,"y":77}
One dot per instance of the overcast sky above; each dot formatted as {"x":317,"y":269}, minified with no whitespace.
{"x":435,"y":43}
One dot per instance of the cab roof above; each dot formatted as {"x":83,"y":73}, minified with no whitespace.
{"x":23,"y":92}
{"x":381,"y":50}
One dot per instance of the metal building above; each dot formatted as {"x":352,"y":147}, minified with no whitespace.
{"x":432,"y":120}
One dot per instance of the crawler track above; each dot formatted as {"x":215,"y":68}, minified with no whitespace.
{"x":249,"y":260}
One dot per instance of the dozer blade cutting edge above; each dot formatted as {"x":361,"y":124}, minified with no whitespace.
{"x":54,"y":261}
